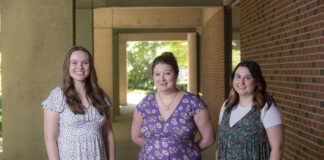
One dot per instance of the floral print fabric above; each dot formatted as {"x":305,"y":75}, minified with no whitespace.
{"x":80,"y":136}
{"x":245,"y":140}
{"x":172,"y":139}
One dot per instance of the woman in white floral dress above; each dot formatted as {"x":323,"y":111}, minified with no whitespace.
{"x":80,"y":111}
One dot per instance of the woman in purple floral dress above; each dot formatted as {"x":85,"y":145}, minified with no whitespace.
{"x":165,"y":123}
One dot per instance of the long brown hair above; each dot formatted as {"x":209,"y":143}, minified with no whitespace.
{"x":260,"y":98}
{"x":93,"y":91}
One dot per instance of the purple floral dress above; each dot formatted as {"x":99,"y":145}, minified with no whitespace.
{"x":172,"y":139}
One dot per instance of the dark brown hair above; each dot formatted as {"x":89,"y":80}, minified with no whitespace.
{"x":166,"y":58}
{"x":93,"y":91}
{"x":260,"y":98}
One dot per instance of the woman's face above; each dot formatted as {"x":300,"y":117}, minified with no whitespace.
{"x":164,"y":77}
{"x":79,"y":67}
{"x":243,"y":82}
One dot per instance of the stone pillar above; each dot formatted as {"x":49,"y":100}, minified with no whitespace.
{"x":103,"y":59}
{"x":192,"y":63}
{"x":103,"y":53}
{"x":123,"y":80}
{"x":35,"y":38}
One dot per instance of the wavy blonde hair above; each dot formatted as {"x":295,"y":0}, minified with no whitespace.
{"x":93,"y":91}
{"x":260,"y":98}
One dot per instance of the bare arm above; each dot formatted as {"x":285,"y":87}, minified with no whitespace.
{"x":136,"y":129}
{"x":206,"y":129}
{"x":275,"y":136}
{"x":109,"y":140}
{"x":51,"y":119}
{"x":216,"y":154}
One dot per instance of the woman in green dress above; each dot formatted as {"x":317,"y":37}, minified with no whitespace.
{"x":250,"y":125}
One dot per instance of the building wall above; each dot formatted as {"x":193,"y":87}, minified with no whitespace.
{"x":286,"y":38}
{"x":211,"y":65}
{"x":35,"y":37}
{"x":84,"y":28}
{"x":150,"y":17}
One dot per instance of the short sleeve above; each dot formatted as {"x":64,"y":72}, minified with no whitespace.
{"x":197,"y":104}
{"x":271,"y":117}
{"x":221,"y":113}
{"x":139,"y":106}
{"x":145,"y":102}
{"x":55,"y":101}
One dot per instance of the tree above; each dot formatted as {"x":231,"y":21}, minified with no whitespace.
{"x":236,"y":54}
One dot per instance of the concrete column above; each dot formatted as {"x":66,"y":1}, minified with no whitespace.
{"x":192,"y":63}
{"x":123,"y":80}
{"x":84,"y":28}
{"x":35,"y":38}
{"x":103,"y":59}
{"x":103,"y":52}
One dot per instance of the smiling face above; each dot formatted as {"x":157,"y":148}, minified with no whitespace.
{"x":243,"y":82}
{"x":164,"y":77}
{"x":79,"y":67}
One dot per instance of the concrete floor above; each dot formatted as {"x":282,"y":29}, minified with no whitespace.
{"x":125,"y":148}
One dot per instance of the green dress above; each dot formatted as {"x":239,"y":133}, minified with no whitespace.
{"x":245,"y":140}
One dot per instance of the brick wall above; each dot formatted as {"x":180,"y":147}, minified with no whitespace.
{"x":212,"y":64}
{"x":286,"y":37}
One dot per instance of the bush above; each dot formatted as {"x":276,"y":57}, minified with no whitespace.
{"x":182,"y":86}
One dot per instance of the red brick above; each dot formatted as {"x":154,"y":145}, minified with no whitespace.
{"x":291,"y":50}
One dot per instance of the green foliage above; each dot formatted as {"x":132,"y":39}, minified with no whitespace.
{"x":141,"y":55}
{"x":179,"y":49}
{"x":182,"y":86}
{"x":236,"y":55}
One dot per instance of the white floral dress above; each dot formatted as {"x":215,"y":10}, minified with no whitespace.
{"x":80,"y":136}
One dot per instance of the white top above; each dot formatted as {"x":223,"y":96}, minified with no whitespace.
{"x":269,"y":118}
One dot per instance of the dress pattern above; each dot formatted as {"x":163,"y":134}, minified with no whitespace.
{"x":80,"y":136}
{"x":172,"y":139}
{"x":245,"y":140}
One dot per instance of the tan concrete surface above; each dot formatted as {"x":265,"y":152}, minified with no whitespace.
{"x":35,"y":38}
{"x":148,"y":17}
{"x":192,"y":63}
{"x":123,"y":78}
{"x":207,"y":13}
{"x":103,"y":59}
{"x":84,"y":28}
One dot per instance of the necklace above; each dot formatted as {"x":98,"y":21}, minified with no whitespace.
{"x":167,"y":106}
